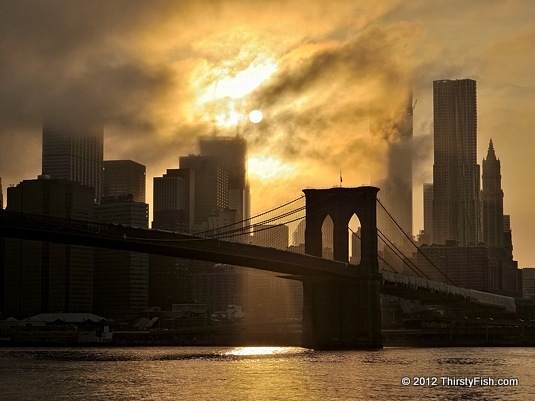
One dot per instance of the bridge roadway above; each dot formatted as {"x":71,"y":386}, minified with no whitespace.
{"x":114,"y":236}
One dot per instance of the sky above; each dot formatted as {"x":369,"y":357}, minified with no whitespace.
{"x":160,"y":74}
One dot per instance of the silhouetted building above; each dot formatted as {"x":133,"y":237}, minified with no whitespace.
{"x":224,"y":220}
{"x":121,"y":278}
{"x":44,"y":276}
{"x":174,"y":200}
{"x":465,"y":266}
{"x":271,"y":235}
{"x":217,"y":286}
{"x":74,"y":153}
{"x":174,"y":210}
{"x":396,"y":188}
{"x":456,"y":175}
{"x":231,"y":154}
{"x":123,"y":177}
{"x":496,"y":230}
{"x":528,"y":283}
{"x":492,"y":201}
{"x":1,"y":195}
{"x":428,"y":212}
{"x":211,"y":191}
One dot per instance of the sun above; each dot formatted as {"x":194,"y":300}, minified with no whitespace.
{"x":255,"y":116}
{"x":222,"y":100}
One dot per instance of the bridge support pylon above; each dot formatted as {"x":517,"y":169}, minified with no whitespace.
{"x":342,"y":313}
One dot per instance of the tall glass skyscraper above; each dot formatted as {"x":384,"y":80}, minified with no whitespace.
{"x":74,"y":153}
{"x":456,"y":174}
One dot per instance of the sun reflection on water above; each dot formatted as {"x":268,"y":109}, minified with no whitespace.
{"x":257,"y":351}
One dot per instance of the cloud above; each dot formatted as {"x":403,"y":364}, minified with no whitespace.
{"x":342,"y":66}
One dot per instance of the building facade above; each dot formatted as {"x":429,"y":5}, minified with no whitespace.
{"x":211,"y":190}
{"x":43,"y":276}
{"x":121,"y":278}
{"x":174,"y":201}
{"x":123,"y":177}
{"x":492,"y":201}
{"x":231,"y":155}
{"x":428,"y":213}
{"x":74,"y":154}
{"x":456,"y":174}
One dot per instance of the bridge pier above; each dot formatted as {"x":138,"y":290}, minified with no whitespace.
{"x":342,"y":313}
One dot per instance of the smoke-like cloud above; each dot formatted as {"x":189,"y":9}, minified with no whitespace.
{"x":342,"y":67}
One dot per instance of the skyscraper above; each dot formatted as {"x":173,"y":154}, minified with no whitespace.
{"x":121,"y":278}
{"x":123,"y":177}
{"x":74,"y":153}
{"x":456,"y":174}
{"x":42,"y":276}
{"x":396,"y":187}
{"x":173,"y":204}
{"x":231,"y":155}
{"x":492,"y":201}
{"x":211,"y":190}
{"x":428,"y":212}
{"x":1,"y":195}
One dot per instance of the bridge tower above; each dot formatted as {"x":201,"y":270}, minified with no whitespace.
{"x":342,"y":313}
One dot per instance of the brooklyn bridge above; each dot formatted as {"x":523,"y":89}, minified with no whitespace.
{"x":341,"y":300}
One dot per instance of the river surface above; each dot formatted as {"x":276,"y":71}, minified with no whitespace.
{"x":266,"y":373}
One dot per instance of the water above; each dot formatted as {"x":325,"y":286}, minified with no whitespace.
{"x":182,"y":373}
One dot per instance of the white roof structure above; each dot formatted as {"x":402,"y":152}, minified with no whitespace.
{"x":66,"y":317}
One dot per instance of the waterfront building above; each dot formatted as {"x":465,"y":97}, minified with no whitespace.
{"x":43,"y":276}
{"x":121,"y":278}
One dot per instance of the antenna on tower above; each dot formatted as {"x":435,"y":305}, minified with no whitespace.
{"x":341,"y":180}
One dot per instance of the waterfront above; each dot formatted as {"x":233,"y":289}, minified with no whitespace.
{"x":262,"y":373}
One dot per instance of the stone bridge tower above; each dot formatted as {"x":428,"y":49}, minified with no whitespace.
{"x":342,"y":313}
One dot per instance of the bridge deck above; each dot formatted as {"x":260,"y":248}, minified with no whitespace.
{"x":114,"y":236}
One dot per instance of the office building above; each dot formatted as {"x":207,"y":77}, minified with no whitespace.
{"x":121,"y":278}
{"x":74,"y":153}
{"x":456,"y":174}
{"x":43,"y":276}
{"x":123,"y":177}
{"x":231,"y":154}
{"x":396,"y":188}
{"x":528,"y":283}
{"x":174,"y":201}
{"x":465,"y":266}
{"x":428,"y":214}
{"x":492,"y":200}
{"x":211,"y":190}
{"x":174,"y":210}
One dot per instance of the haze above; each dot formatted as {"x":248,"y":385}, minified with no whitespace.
{"x":159,"y":74}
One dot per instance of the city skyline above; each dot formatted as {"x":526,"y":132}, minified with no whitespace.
{"x":168,"y":74}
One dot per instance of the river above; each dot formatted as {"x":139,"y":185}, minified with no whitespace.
{"x":266,"y":373}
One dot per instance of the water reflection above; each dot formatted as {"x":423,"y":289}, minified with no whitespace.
{"x":258,"y":351}
{"x":259,"y":373}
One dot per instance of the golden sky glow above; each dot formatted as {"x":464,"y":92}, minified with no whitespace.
{"x":161,"y":74}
